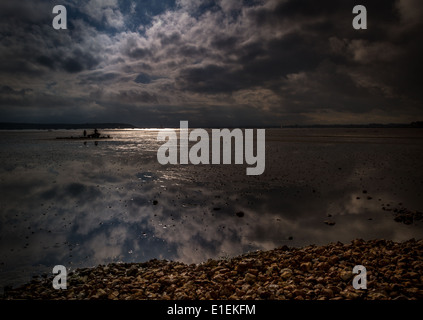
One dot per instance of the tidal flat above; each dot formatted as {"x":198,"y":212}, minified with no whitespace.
{"x":82,"y":205}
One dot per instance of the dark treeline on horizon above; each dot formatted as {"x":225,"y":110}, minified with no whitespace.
{"x":53,"y":126}
{"x":69,"y":126}
{"x":416,"y":124}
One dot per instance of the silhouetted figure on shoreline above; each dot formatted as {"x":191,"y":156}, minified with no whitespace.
{"x":94,"y":135}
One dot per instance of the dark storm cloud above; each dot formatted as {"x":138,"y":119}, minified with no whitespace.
{"x":264,"y":61}
{"x":24,"y":11}
{"x":143,"y":78}
{"x":136,"y":96}
{"x":138,"y":53}
{"x":72,"y":62}
{"x":224,"y":42}
{"x":100,"y":77}
{"x":359,"y":85}
{"x":172,"y":39}
{"x":31,"y":43}
{"x":210,"y":78}
{"x":46,"y":61}
{"x":6,"y":90}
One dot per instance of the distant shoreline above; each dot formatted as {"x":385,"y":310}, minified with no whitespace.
{"x":57,"y":126}
{"x":69,"y":126}
{"x":418,"y":124}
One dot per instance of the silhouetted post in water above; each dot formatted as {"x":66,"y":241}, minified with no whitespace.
{"x":96,"y":134}
{"x":85,"y":133}
{"x":96,"y":142}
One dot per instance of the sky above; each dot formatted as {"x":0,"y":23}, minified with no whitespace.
{"x":213,"y":63}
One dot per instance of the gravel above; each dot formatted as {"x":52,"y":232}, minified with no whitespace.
{"x":394,"y":271}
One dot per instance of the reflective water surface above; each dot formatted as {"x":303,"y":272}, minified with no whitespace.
{"x":63,"y":202}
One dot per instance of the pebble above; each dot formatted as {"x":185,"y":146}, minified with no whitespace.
{"x":249,"y":277}
{"x":346,"y":275}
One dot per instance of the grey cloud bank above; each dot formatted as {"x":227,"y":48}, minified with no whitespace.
{"x":213,"y":63}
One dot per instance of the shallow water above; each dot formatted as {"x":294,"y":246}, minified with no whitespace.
{"x":63,"y":202}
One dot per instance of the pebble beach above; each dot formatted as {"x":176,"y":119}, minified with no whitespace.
{"x":394,"y":272}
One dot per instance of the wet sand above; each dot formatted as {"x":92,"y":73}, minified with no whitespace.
{"x":394,"y":271}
